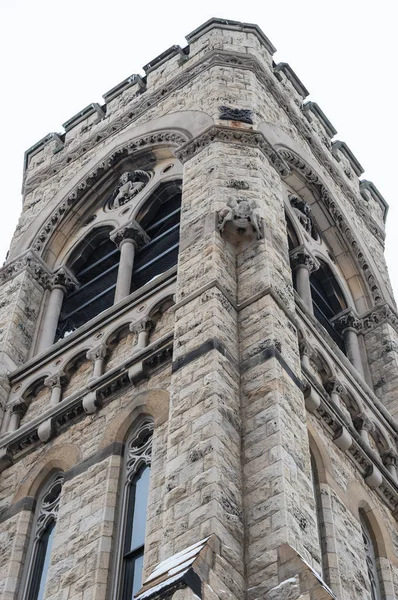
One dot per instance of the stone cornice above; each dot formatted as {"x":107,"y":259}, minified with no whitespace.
{"x":233,"y":135}
{"x":31,"y":261}
{"x":382,"y":313}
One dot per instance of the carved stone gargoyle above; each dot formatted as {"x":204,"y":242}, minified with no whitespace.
{"x":242,"y":217}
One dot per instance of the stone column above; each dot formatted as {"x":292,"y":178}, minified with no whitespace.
{"x":364,"y":425}
{"x":348,"y":324}
{"x":142,"y":328}
{"x":128,"y":238}
{"x":6,"y":420}
{"x":55,"y":383}
{"x":61,"y":282}
{"x":389,"y":459}
{"x":18,"y":409}
{"x":304,"y":264}
{"x":335,"y":388}
{"x":97,"y":356}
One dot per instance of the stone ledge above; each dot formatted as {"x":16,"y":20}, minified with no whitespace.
{"x":88,"y":111}
{"x":215,"y":23}
{"x":165,"y":56}
{"x":341,"y":147}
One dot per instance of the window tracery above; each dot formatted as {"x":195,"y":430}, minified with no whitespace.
{"x":112,"y":262}
{"x":137,"y":468}
{"x":42,"y":539}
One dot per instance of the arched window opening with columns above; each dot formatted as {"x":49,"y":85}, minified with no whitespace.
{"x":39,"y":551}
{"x":110,"y":263}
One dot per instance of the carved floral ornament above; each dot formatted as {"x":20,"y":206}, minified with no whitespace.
{"x":169,"y":138}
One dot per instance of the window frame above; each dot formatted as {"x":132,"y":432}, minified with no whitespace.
{"x":45,"y":517}
{"x":135,"y":458}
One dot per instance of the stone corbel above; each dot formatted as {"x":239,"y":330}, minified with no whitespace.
{"x":138,"y":372}
{"x":45,"y":430}
{"x":91,"y":403}
{"x":5,"y":459}
{"x":374,"y":478}
{"x":312,"y":398}
{"x":343,"y":439}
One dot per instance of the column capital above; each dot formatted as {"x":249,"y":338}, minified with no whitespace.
{"x":145,"y":324}
{"x":56,"y":380}
{"x":19,"y":407}
{"x":64,"y":279}
{"x":347,"y":320}
{"x":306,"y":349}
{"x":335,"y":386}
{"x":130,"y":231}
{"x":363,"y":423}
{"x":97,"y":353}
{"x":301,"y":257}
{"x":390,"y":457}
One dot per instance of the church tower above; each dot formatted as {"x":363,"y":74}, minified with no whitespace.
{"x":199,"y":346}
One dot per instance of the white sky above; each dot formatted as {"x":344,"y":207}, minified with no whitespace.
{"x":57,"y":57}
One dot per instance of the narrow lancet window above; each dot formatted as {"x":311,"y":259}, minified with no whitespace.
{"x":370,"y":560}
{"x":134,"y":509}
{"x":43,"y":535}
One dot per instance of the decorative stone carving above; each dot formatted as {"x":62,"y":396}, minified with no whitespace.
{"x":301,"y":257}
{"x":363,"y":423}
{"x":162,"y":137}
{"x":242,"y":215}
{"x":130,"y":231}
{"x":335,"y":387}
{"x":49,"y":505}
{"x":231,"y":135}
{"x":98,"y":353}
{"x":130,"y":184}
{"x":227,"y":113}
{"x":28,"y":260}
{"x":303,"y":212}
{"x":145,"y":324}
{"x":347,"y":320}
{"x":57,"y":380}
{"x":139,"y":449}
{"x":390,"y":457}
{"x":378,"y":315}
{"x":64,"y":279}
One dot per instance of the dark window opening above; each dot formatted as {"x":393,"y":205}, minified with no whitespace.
{"x":133,"y":556}
{"x":97,"y":275}
{"x":42,"y":563}
{"x":95,"y":262}
{"x":327,"y":301}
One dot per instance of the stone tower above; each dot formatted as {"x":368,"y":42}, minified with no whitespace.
{"x":199,"y":346}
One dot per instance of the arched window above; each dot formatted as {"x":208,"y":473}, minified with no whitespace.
{"x":95,"y":262}
{"x":134,"y":500}
{"x":327,"y":300}
{"x":160,"y":218}
{"x":370,"y":558}
{"x":39,"y":553}
{"x":319,"y":515}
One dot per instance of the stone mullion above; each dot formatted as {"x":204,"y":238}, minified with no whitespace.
{"x":203,"y":472}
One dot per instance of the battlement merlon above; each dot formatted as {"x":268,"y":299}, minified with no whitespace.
{"x":175,"y":60}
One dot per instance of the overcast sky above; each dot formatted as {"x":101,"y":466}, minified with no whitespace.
{"x":58,"y":57}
